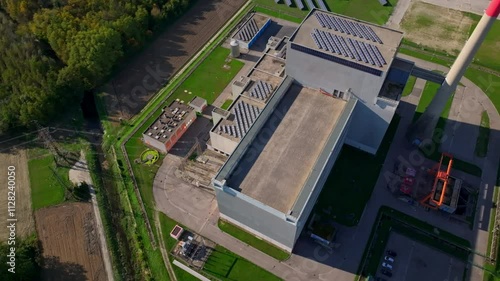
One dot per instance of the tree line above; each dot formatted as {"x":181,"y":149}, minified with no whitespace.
{"x":52,"y":51}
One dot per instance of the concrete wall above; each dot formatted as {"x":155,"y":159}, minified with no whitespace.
{"x":369,"y":124}
{"x":222,"y":143}
{"x":254,"y":217}
{"x":154,"y":143}
{"x":371,"y":117}
{"x":343,"y":126}
{"x":315,"y":72}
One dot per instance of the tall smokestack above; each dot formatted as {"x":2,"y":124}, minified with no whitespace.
{"x":423,"y":128}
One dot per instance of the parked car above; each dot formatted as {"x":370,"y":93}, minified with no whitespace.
{"x":386,"y":272}
{"x":391,"y":253}
{"x":387,"y":265}
{"x":389,"y":259}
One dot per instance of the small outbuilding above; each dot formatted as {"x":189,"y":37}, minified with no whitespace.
{"x":198,"y":104}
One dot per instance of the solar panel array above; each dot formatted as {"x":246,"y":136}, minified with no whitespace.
{"x":248,"y":31}
{"x":261,"y":90}
{"x":348,"y":47}
{"x":347,"y":27}
{"x":245,"y":114}
{"x":288,"y":2}
{"x":322,"y":5}
{"x":310,"y":4}
{"x":299,"y":4}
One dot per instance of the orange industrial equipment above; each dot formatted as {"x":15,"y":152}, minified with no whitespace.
{"x":440,"y":183}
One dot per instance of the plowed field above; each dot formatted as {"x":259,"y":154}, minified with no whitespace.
{"x":130,"y":90}
{"x":24,"y":225}
{"x":70,"y":243}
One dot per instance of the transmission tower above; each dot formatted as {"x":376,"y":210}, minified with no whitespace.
{"x":60,"y":155}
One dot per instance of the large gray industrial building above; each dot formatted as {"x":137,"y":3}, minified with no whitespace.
{"x":337,"y":88}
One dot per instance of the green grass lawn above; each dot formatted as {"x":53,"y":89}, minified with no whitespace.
{"x":228,"y":266}
{"x":391,"y":220}
{"x":492,"y":271}
{"x":207,"y":81}
{"x":210,"y":78}
{"x":409,"y":86}
{"x":222,"y":264}
{"x":484,"y":135}
{"x":253,"y":241}
{"x":370,"y":11}
{"x":488,"y":54}
{"x":346,"y":191}
{"x":428,"y":94}
{"x":293,"y":18}
{"x":45,"y":188}
{"x":226,"y":104}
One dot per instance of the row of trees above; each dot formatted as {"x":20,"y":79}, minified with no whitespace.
{"x":52,"y":51}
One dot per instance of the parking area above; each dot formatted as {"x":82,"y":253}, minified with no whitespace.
{"x":416,"y":261}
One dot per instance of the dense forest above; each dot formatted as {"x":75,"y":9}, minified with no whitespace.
{"x":52,"y":51}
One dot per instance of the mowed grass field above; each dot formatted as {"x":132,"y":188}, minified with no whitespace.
{"x":445,"y":31}
{"x":253,"y":241}
{"x":45,"y":188}
{"x":228,"y":266}
{"x":370,"y":11}
{"x":208,"y":80}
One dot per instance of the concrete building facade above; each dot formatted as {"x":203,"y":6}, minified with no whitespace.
{"x":348,"y":65}
{"x":334,"y":91}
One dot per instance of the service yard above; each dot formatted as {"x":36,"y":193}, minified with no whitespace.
{"x":416,"y":261}
{"x":70,"y":243}
{"x":17,"y":161}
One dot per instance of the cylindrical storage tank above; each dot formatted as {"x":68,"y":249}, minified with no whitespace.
{"x":235,"y":48}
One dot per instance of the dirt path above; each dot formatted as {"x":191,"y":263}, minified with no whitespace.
{"x":163,"y":249}
{"x":79,"y":173}
{"x":24,"y":214}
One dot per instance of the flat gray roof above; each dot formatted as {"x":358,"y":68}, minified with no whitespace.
{"x":278,"y":162}
{"x":390,"y":38}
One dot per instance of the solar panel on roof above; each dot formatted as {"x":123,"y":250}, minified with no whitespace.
{"x":299,"y":4}
{"x":377,"y":52}
{"x":321,"y":5}
{"x":343,"y":24}
{"x":367,"y":54}
{"x":310,"y":4}
{"x":354,"y":49}
{"x":368,"y":33}
{"x":361,"y":53}
{"x":377,"y":39}
{"x":372,"y":54}
{"x":336,"y":23}
{"x":328,"y":36}
{"x":320,"y":20}
{"x":325,"y":42}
